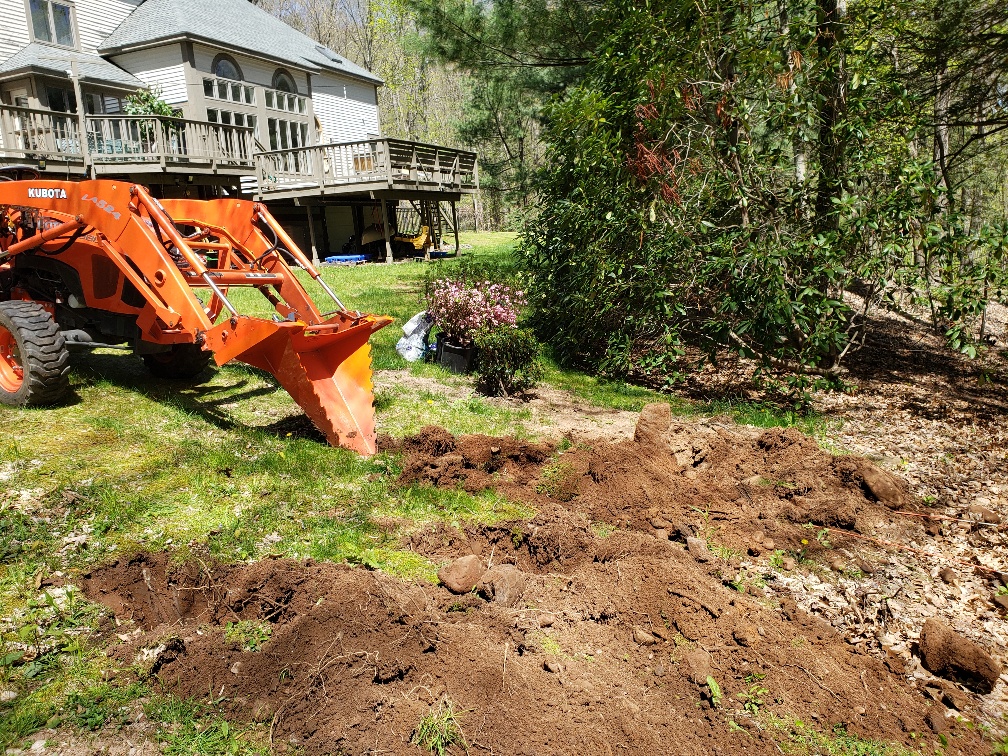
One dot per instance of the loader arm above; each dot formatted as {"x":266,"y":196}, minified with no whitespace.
{"x":115,"y":235}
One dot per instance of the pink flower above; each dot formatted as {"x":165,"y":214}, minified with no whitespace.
{"x":459,"y":310}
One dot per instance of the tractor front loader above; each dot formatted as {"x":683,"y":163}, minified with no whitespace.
{"x":104,"y":263}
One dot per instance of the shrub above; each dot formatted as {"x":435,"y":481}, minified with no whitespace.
{"x":459,"y":309}
{"x":507,"y":360}
{"x":148,"y":102}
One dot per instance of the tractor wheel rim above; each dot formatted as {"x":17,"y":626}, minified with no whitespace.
{"x":11,"y":367}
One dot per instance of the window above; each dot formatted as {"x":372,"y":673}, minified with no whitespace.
{"x":226,"y":67}
{"x":61,"y":99}
{"x":101,"y":104}
{"x":230,"y":118}
{"x":284,"y":82}
{"x":285,"y":135}
{"x":289,"y":102}
{"x":229,"y":90}
{"x":52,"y":22}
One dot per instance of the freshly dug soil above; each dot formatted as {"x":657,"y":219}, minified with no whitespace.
{"x":356,"y":658}
{"x":610,"y":642}
{"x":747,"y":489}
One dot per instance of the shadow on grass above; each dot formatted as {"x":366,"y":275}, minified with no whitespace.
{"x":198,"y":397}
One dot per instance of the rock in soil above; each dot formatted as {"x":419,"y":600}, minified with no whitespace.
{"x":984,"y":514}
{"x":504,"y":584}
{"x":643,"y":637}
{"x":697,"y":666}
{"x":883,"y":486}
{"x":936,"y":720}
{"x":552,"y":665}
{"x":947,"y":654}
{"x":698,"y":549}
{"x":462,"y":575}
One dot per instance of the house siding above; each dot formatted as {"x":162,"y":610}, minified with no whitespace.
{"x":347,"y":109}
{"x":161,"y":67}
{"x":15,"y":33}
{"x":97,"y":19}
{"x":254,"y":71}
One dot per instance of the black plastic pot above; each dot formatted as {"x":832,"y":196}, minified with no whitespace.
{"x":454,"y":357}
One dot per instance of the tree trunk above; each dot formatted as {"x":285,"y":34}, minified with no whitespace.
{"x":831,"y":18}
{"x":943,"y":96}
{"x":729,"y":77}
{"x":798,"y":142}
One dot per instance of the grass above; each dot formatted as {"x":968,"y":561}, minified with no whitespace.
{"x":248,"y":635}
{"x":802,"y":739}
{"x":439,"y":730}
{"x":191,"y":728}
{"x":231,"y":465}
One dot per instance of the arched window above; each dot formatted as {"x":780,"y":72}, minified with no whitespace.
{"x":226,"y":67}
{"x":284,"y":82}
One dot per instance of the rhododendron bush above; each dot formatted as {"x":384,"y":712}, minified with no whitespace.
{"x":459,"y":309}
{"x":471,"y":306}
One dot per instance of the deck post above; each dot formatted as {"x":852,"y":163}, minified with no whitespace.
{"x":81,"y":116}
{"x":426,"y":214}
{"x":311,"y":236}
{"x":386,"y":230}
{"x":455,"y":226}
{"x":358,"y":224}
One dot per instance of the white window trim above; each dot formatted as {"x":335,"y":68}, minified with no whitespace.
{"x":73,"y":25}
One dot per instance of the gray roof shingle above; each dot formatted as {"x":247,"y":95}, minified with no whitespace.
{"x":233,"y":24}
{"x":92,"y":68}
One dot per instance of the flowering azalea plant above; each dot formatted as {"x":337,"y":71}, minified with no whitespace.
{"x":459,"y":309}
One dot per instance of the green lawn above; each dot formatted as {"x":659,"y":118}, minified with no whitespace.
{"x":229,"y":465}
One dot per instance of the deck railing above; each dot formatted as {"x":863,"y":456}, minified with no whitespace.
{"x":168,"y":141}
{"x":30,"y":134}
{"x":114,"y":144}
{"x":394,"y":162}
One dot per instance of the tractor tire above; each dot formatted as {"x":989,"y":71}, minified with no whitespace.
{"x":34,"y":361}
{"x":182,"y":363}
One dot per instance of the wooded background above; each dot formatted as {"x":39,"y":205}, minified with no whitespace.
{"x":699,"y":178}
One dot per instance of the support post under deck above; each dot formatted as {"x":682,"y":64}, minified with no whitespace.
{"x":385,"y":227}
{"x":455,"y":226}
{"x":311,"y":236}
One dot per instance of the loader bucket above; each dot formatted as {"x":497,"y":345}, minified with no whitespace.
{"x":325,"y":368}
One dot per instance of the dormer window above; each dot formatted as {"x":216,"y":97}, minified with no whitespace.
{"x":226,"y":67}
{"x":52,"y":22}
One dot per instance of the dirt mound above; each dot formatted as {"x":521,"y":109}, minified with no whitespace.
{"x":474,"y":463}
{"x":743,"y":488}
{"x":613,"y":656}
{"x":620,"y":639}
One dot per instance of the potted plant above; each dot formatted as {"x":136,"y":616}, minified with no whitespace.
{"x":459,"y":310}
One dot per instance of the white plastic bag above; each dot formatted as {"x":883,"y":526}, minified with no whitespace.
{"x":411,"y":345}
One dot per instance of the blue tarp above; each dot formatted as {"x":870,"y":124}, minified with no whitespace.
{"x":347,"y":259}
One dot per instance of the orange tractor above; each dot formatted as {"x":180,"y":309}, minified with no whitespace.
{"x":104,"y":262}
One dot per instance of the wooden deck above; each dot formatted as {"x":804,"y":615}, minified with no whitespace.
{"x":143,"y":148}
{"x":386,"y":166}
{"x":115,"y":145}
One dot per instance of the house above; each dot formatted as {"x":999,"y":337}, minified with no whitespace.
{"x":262,"y":110}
